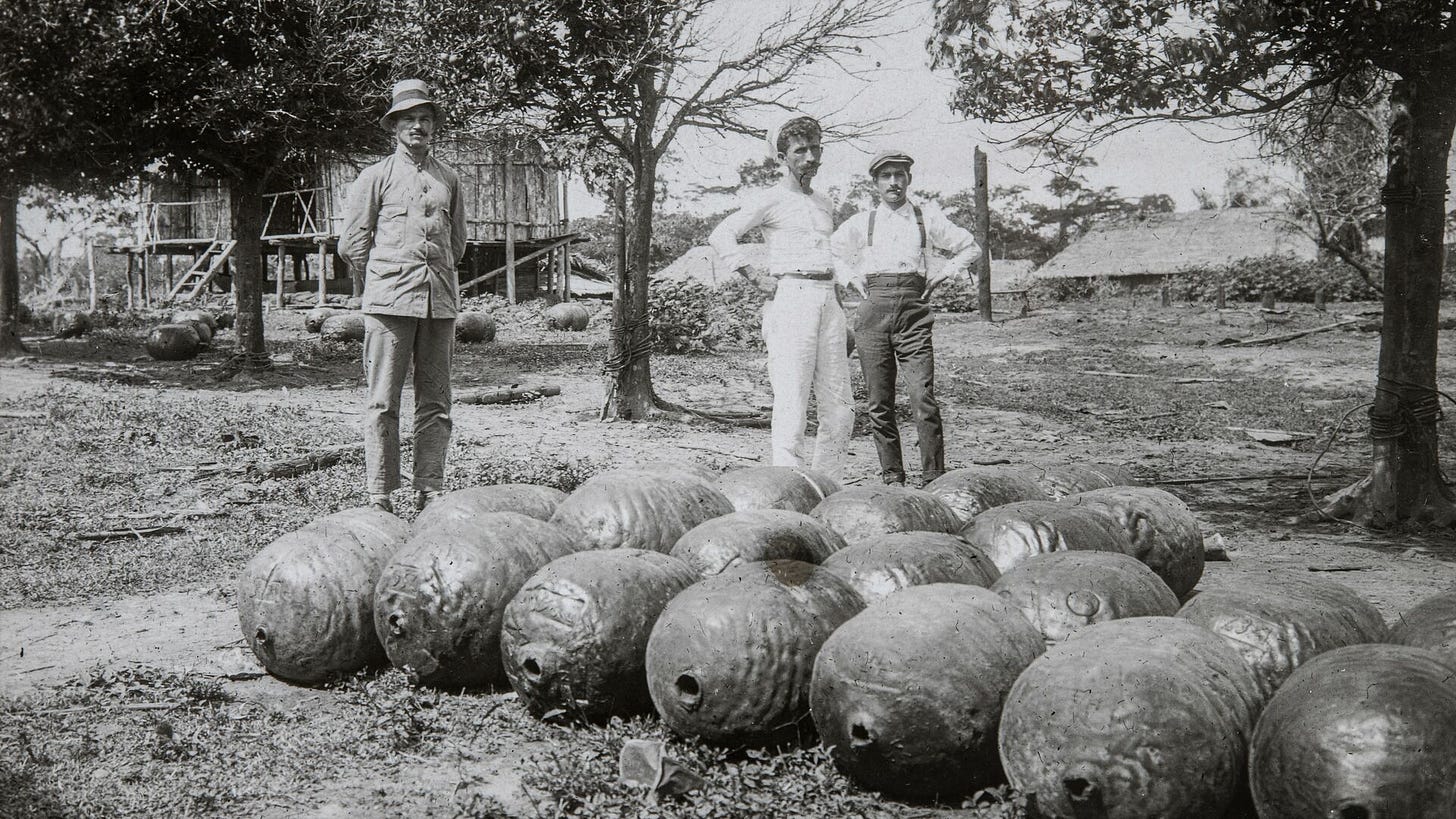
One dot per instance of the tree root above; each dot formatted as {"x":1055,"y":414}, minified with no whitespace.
{"x":1357,"y":504}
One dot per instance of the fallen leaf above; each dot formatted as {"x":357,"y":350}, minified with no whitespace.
{"x":644,"y":763}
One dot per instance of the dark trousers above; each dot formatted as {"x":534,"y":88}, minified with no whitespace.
{"x":892,"y":331}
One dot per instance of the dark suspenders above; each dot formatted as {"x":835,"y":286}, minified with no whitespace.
{"x":919,"y":222}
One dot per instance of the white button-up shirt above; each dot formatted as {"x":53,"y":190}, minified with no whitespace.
{"x":796,"y":227}
{"x":897,"y":246}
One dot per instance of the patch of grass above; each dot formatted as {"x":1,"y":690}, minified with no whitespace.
{"x":578,"y":776}
{"x":1055,"y":385}
{"x":101,"y":456}
{"x":147,"y":743}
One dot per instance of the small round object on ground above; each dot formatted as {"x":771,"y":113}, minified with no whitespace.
{"x":343,"y":327}
{"x":567,"y":316}
{"x":473,"y":327}
{"x":313,"y":320}
{"x":173,"y":342}
{"x":71,"y":324}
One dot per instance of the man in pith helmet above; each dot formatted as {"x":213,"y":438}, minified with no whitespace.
{"x":884,"y":253}
{"x":405,"y":228}
{"x":803,"y":324}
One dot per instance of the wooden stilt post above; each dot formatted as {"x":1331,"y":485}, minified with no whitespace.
{"x":565,"y":248}
{"x":510,"y":233}
{"x":91,"y":269}
{"x":323,"y":271}
{"x":170,"y":273}
{"x":146,"y":285}
{"x":130,"y":290}
{"x":983,"y":229}
{"x":282,"y":267}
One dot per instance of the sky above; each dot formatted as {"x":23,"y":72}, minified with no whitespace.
{"x":1160,"y":158}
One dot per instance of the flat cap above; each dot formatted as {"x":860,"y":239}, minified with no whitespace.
{"x":885,"y":157}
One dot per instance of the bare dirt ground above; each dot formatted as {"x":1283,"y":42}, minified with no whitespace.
{"x":1120,"y":380}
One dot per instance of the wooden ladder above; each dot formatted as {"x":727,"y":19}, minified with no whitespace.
{"x":202,"y":271}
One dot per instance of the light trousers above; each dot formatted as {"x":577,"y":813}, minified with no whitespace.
{"x":804,"y":330}
{"x":391,"y":345}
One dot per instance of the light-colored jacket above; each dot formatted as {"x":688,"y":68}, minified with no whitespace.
{"x":405,"y":228}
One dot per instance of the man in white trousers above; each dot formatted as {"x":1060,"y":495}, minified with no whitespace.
{"x":803,"y":324}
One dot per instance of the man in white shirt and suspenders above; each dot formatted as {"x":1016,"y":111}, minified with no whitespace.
{"x":803,"y":324}
{"x":883,"y":254}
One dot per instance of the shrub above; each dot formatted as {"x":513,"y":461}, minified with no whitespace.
{"x":688,"y":316}
{"x":954,"y":296}
{"x":738,"y":314}
{"x":1288,"y":279}
{"x":679,"y":311}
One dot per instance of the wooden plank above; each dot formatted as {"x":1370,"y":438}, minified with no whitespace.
{"x":510,"y":236}
{"x":278,"y":275}
{"x":566,"y":249}
{"x":323,"y":271}
{"x":528,"y":257}
{"x":983,"y":227}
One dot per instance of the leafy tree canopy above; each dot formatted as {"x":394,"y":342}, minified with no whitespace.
{"x":1063,"y":62}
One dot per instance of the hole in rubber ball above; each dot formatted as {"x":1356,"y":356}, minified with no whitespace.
{"x":688,"y":692}
{"x":1079,"y":789}
{"x":1354,"y":812}
{"x":859,"y":736}
{"x":533,"y":668}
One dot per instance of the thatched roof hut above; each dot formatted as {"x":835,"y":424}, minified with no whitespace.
{"x":1164,"y":243}
{"x":704,"y":265}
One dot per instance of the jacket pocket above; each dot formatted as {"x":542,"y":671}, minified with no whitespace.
{"x":389,"y":230}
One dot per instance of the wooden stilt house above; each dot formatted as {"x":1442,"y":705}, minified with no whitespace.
{"x":179,"y":215}
{"x":518,"y":245}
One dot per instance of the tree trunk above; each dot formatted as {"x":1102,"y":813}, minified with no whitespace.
{"x":10,"y":344}
{"x":630,"y":396}
{"x":1405,"y":487}
{"x":245,"y":194}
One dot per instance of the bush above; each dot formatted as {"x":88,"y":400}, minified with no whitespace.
{"x":1288,"y":279}
{"x":954,"y":296}
{"x":679,"y":310}
{"x":688,"y":316}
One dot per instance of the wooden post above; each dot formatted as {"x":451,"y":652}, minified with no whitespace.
{"x":1222,"y":297}
{"x":130,"y":290}
{"x":510,"y":232}
{"x":1165,"y":296}
{"x":565,"y":248}
{"x":1319,"y":298}
{"x":91,"y":269}
{"x":983,"y":228}
{"x":278,"y":275}
{"x":170,"y":273}
{"x":146,"y":285}
{"x":1268,"y":299}
{"x":323,"y":272}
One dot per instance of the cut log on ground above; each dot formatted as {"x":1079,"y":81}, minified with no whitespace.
{"x":510,"y":394}
{"x":1279,"y":339}
{"x":137,"y":532}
